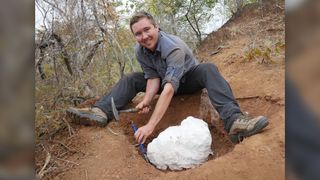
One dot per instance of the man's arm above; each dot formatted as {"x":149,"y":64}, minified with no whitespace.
{"x":161,"y":107}
{"x":151,"y":90}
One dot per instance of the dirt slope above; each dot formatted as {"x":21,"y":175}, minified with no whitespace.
{"x":258,"y":84}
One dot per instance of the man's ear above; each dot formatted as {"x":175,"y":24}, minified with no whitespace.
{"x":157,"y":26}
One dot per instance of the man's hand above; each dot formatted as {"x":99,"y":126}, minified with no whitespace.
{"x":151,"y":90}
{"x":164,"y":100}
{"x":143,"y":107}
{"x":143,"y":133}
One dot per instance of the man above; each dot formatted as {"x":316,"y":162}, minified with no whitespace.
{"x":169,"y":68}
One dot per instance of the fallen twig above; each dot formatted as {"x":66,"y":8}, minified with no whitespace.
{"x":56,"y":98}
{"x":279,"y":7}
{"x":65,"y":146}
{"x":216,"y":51}
{"x":71,"y":131}
{"x":117,"y":134}
{"x":247,"y":97}
{"x":86,"y":174}
{"x":67,"y":161}
{"x":68,"y":148}
{"x":42,"y":171}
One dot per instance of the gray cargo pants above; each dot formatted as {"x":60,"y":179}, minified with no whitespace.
{"x":204,"y":75}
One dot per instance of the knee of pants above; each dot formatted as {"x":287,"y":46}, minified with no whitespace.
{"x":134,"y":76}
{"x":135,"y":80}
{"x":209,"y":68}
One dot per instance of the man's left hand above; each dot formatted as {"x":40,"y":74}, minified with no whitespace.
{"x":143,"y":133}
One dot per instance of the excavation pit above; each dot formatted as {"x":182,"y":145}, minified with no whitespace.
{"x":182,"y":106}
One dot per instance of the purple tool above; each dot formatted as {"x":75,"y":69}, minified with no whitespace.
{"x":141,"y":147}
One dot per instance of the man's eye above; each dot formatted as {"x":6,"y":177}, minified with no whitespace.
{"x":146,"y":30}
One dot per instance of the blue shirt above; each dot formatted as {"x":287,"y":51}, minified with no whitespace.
{"x":170,"y":61}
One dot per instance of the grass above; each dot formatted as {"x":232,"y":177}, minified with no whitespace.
{"x":263,"y":54}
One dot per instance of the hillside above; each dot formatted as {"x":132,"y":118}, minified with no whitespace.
{"x":249,"y":52}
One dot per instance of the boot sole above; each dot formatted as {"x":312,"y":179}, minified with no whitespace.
{"x":86,"y":118}
{"x":262,"y":123}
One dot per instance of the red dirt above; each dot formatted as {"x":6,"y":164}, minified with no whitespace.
{"x":258,"y":87}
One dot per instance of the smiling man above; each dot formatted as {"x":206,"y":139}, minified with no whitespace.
{"x":169,"y":68}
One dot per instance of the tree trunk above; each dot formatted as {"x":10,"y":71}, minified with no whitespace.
{"x":89,"y":58}
{"x":39,"y":65}
{"x":65,"y":55}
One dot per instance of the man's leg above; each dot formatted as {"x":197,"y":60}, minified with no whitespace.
{"x":207,"y":76}
{"x":123,"y":92}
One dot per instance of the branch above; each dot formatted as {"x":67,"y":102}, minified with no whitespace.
{"x":65,"y":55}
{"x":90,"y":55}
{"x":44,"y":14}
{"x":190,"y":23}
{"x":56,"y":7}
{"x":42,"y":171}
{"x":106,"y":33}
{"x":198,"y":32}
{"x":186,"y":15}
{"x":39,"y":65}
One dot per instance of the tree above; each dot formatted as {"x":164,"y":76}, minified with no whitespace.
{"x":79,"y":47}
{"x":81,"y":29}
{"x":181,"y":17}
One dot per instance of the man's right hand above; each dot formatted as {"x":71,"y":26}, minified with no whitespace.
{"x":151,"y":90}
{"x":143,"y":107}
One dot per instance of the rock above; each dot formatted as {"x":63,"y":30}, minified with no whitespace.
{"x":184,"y":146}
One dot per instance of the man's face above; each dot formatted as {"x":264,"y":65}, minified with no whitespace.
{"x":146,"y":33}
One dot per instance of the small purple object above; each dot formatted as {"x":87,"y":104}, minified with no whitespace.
{"x":141,"y":147}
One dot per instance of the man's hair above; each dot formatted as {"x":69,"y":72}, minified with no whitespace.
{"x":139,"y":15}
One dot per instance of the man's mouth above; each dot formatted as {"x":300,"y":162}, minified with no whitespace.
{"x":147,"y":42}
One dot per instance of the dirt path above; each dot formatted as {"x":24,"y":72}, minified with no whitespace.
{"x":259,"y":88}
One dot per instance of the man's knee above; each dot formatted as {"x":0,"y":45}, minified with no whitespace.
{"x":209,"y":68}
{"x":135,"y":76}
{"x":133,"y":81}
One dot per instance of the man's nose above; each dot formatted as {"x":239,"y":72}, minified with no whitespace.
{"x":144,"y":35}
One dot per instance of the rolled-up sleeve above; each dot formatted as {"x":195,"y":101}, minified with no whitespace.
{"x":175,"y":68}
{"x":148,"y":71}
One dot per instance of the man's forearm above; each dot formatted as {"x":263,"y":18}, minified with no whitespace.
{"x":162,"y":105}
{"x":151,"y":89}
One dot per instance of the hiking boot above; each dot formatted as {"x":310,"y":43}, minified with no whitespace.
{"x":245,"y":126}
{"x":88,"y":116}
